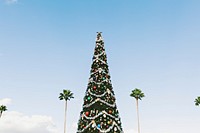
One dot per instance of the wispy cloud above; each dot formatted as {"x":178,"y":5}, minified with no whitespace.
{"x":16,"y":122}
{"x":11,"y":1}
{"x":5,"y":101}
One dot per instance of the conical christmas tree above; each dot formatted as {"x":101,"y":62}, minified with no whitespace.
{"x":99,"y":114}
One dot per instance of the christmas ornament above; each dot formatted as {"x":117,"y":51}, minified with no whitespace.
{"x":99,"y":126}
{"x":97,"y":99}
{"x":87,"y":113}
{"x":94,"y":87}
{"x":110,"y":111}
{"x":89,"y":98}
{"x":93,"y":124}
{"x":108,"y":91}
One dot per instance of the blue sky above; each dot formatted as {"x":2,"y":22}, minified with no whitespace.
{"x":154,"y":45}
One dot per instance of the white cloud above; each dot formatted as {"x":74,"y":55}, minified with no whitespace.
{"x":11,"y":1}
{"x":5,"y":101}
{"x":15,"y":122}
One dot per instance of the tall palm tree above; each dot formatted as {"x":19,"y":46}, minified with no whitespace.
{"x":138,"y":95}
{"x":197,"y":101}
{"x":2,"y":109}
{"x":66,"y":95}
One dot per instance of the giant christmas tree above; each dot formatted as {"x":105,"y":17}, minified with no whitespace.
{"x":99,"y":114}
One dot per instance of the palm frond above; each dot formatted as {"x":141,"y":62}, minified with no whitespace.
{"x":3,"y":108}
{"x":67,"y":95}
{"x":137,"y":94}
{"x":197,"y":101}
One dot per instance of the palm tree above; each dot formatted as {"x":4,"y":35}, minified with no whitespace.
{"x":138,"y":95}
{"x":197,"y":101}
{"x":66,"y":95}
{"x":2,"y":109}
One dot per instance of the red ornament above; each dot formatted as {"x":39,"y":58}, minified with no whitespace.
{"x":94,"y":87}
{"x":110,"y":111}
{"x":87,"y":113}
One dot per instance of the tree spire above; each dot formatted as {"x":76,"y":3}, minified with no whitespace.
{"x":99,"y":114}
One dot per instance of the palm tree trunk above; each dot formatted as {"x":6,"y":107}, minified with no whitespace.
{"x":138,"y":115}
{"x":65,"y":119}
{"x":1,"y":114}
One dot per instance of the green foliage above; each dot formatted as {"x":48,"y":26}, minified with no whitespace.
{"x":197,"y":101}
{"x":66,"y":95}
{"x":3,"y":108}
{"x":137,"y":94}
